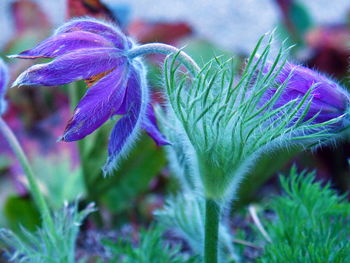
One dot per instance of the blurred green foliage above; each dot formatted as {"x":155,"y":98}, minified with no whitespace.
{"x":311,"y":223}
{"x":150,"y":248}
{"x":45,"y":245}
{"x":134,"y":176}
{"x":21,"y":212}
{"x":61,"y":181}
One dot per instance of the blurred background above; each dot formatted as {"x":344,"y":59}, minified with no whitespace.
{"x":319,"y":29}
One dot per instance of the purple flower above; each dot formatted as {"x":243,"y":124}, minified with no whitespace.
{"x":328,"y":99}
{"x":96,"y":52}
{"x":3,"y":86}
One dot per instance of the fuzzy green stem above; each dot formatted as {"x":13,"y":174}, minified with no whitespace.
{"x":165,"y":49}
{"x":33,"y":186}
{"x":211,"y":234}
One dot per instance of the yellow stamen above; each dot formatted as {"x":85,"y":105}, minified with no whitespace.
{"x":93,"y":79}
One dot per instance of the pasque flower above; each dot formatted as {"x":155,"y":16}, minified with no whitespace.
{"x":231,"y":123}
{"x":328,"y":99}
{"x":3,"y":86}
{"x":229,"y":118}
{"x":96,"y":52}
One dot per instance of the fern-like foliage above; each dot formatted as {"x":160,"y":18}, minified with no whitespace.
{"x":312,"y":224}
{"x":45,"y":246}
{"x":150,"y":248}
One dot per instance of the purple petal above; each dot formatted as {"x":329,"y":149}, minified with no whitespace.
{"x":77,"y":65}
{"x":98,"y":105}
{"x":126,"y":129}
{"x":328,"y":98}
{"x":149,"y":124}
{"x":327,"y":93}
{"x":108,"y":31}
{"x":64,"y":43}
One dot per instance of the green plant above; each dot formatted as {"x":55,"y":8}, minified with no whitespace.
{"x":311,"y":224}
{"x":45,"y":245}
{"x":151,"y":248}
{"x":229,"y":119}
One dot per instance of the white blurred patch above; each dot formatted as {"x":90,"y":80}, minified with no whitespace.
{"x":232,"y":24}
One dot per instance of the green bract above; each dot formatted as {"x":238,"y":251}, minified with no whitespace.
{"x":222,"y":116}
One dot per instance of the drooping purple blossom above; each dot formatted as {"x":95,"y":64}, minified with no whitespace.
{"x":3,"y":86}
{"x":328,"y":99}
{"x":96,"y":52}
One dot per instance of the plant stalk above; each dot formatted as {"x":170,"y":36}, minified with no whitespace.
{"x":211,"y":233}
{"x":165,"y":49}
{"x":33,"y":185}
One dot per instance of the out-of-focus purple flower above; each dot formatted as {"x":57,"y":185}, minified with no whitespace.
{"x":328,"y":99}
{"x":3,"y":86}
{"x":96,"y":52}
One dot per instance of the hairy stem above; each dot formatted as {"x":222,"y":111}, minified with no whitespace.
{"x":211,"y":233}
{"x":33,"y":186}
{"x":165,"y":49}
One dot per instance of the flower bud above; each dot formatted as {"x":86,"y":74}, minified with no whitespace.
{"x":328,"y":99}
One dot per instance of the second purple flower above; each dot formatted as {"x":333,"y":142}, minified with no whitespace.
{"x":328,"y":99}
